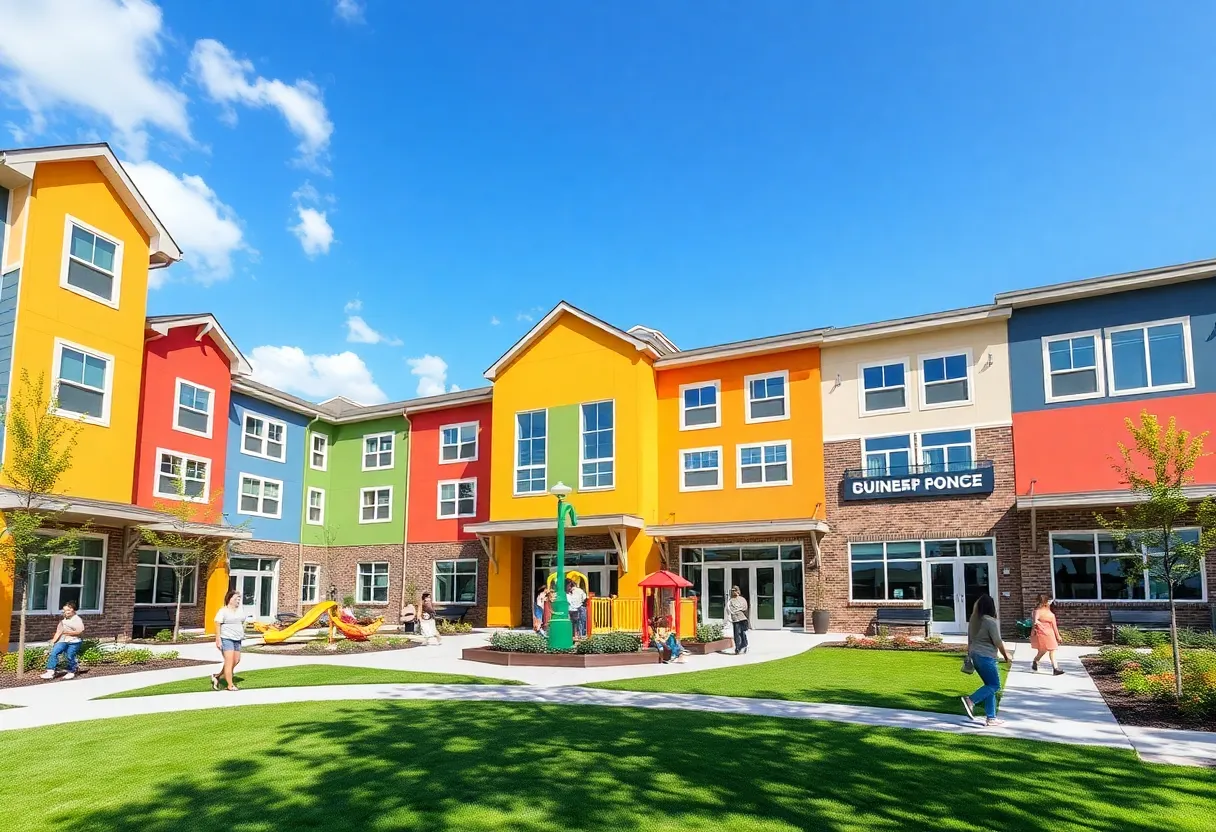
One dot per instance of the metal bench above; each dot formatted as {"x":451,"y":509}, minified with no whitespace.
{"x":903,"y":617}
{"x":151,"y":618}
{"x":1156,"y":620}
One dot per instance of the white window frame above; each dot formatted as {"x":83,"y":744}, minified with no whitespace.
{"x":516,"y":467}
{"x":721,"y":469}
{"x":789,"y":463}
{"x":312,"y":449}
{"x":185,"y":457}
{"x":265,"y":439}
{"x":1099,"y":365}
{"x":924,"y":385}
{"x":435,"y":577}
{"x":747,"y":397}
{"x":107,"y":394}
{"x":1151,"y":388}
{"x":69,"y":221}
{"x":177,"y":406}
{"x":316,"y":585}
{"x":913,"y":453}
{"x":392,"y":450}
{"x":861,"y":387}
{"x":241,"y":477}
{"x":439,"y":501}
{"x":925,"y":564}
{"x":476,"y":442}
{"x":156,"y":573}
{"x":918,"y":447}
{"x":582,"y":429}
{"x":717,"y":385}
{"x":1203,"y":572}
{"x":312,"y":489}
{"x":388,"y":573}
{"x":55,"y":575}
{"x":375,"y":488}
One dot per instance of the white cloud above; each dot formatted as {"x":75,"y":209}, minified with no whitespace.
{"x":524,"y":316}
{"x":226,"y":80}
{"x":95,"y":56}
{"x":207,"y":230}
{"x":352,"y":306}
{"x":358,"y":332}
{"x":313,"y":231}
{"x":494,"y":320}
{"x":432,"y":372}
{"x":316,"y":376}
{"x":349,"y":10}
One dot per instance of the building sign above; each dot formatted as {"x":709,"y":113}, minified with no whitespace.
{"x":980,"y":481}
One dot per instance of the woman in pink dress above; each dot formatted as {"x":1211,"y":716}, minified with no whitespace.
{"x":1045,"y":635}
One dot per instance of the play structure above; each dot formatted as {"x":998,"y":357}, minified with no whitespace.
{"x":275,"y":634}
{"x":660,"y":599}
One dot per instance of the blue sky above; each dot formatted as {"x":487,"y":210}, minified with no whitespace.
{"x":717,"y":170}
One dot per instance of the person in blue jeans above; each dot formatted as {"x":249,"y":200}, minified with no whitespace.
{"x":984,"y":644}
{"x":66,"y":641}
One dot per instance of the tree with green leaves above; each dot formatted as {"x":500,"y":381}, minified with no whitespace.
{"x":1157,"y":466}
{"x":40,"y":448}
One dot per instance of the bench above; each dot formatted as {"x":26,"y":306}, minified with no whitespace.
{"x":452,"y":612}
{"x":286,"y":619}
{"x":903,"y":617}
{"x":1156,"y":620}
{"x":151,"y":618}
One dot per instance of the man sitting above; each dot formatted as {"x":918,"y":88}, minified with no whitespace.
{"x":665,"y":641}
{"x":67,"y":640}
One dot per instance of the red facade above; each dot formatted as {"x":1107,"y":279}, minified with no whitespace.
{"x":427,"y":470}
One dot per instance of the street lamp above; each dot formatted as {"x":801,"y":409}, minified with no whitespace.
{"x":561,"y":633}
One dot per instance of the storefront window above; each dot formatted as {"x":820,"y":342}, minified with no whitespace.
{"x":895,"y":571}
{"x":1095,"y":566}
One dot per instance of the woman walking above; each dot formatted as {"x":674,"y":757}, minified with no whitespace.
{"x":736,"y":611}
{"x":983,"y":645}
{"x":1045,"y":636}
{"x":229,"y":633}
{"x":430,"y":630}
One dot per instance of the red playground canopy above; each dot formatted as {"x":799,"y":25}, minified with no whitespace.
{"x":653,"y":585}
{"x":664,"y":580}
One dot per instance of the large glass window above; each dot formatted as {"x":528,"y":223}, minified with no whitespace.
{"x":765,"y":464}
{"x":888,"y":456}
{"x":456,"y":581}
{"x":530,"y":436}
{"x":1073,"y":368}
{"x":598,"y":446}
{"x":699,"y":407}
{"x":92,"y":266}
{"x":700,"y":469}
{"x":948,"y":450}
{"x":1094,"y":566}
{"x":767,"y":397}
{"x":77,"y":577}
{"x":944,"y":379}
{"x":883,"y":387}
{"x":83,"y":382}
{"x":156,"y":579}
{"x":1149,"y":357}
{"x":193,"y":411}
{"x":372,"y":584}
{"x":458,"y":443}
{"x":886,"y":571}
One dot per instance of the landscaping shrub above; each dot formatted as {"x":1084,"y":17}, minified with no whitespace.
{"x":933,"y":641}
{"x":132,"y":655}
{"x":901,"y":642}
{"x":164,"y":635}
{"x":92,"y":656}
{"x":453,"y":628}
{"x":519,"y":643}
{"x":1197,"y":640}
{"x":1131,"y":637}
{"x":1151,"y":673}
{"x":709,"y":632}
{"x":35,"y":657}
{"x":1077,"y":635}
{"x":616,"y":642}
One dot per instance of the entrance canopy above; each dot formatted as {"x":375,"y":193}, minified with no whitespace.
{"x":811,"y":526}
{"x":613,"y":525}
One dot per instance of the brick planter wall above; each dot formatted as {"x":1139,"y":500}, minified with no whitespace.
{"x":419,"y":570}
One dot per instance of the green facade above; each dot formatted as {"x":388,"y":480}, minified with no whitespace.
{"x":563,"y":445}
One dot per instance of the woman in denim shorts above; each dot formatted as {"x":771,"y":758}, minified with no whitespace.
{"x":229,"y":631}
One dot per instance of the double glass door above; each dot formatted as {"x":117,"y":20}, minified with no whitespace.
{"x":954,"y":587}
{"x":256,"y":579}
{"x":759,"y":584}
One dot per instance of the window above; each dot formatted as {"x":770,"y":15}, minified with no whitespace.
{"x":92,"y":263}
{"x":701,"y":469}
{"x":308,"y":583}
{"x":318,"y":458}
{"x":260,"y":497}
{"x":597,"y":447}
{"x":181,"y":476}
{"x":947,"y":450}
{"x":458,"y":498}
{"x":377,"y":451}
{"x":1149,"y":357}
{"x":456,"y":581}
{"x":768,"y":397}
{"x":192,"y":414}
{"x":264,"y":437}
{"x":888,"y":456}
{"x":530,"y":433}
{"x":886,"y":571}
{"x":1094,"y":566}
{"x":766,"y":464}
{"x":79,"y":577}
{"x":376,"y":505}
{"x":699,"y":405}
{"x":156,"y":578}
{"x":945,"y":380}
{"x":316,"y":507}
{"x":1074,"y":366}
{"x":458,"y":443}
{"x":83,"y":379}
{"x":372,"y":583}
{"x":883,"y":388}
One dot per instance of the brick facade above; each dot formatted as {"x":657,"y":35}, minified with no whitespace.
{"x":574,"y":543}
{"x":420,"y":564}
{"x":339,"y":568}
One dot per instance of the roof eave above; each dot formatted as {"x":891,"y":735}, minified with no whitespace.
{"x":1107,"y":284}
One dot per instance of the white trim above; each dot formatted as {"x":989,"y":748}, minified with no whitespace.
{"x":240,"y":493}
{"x":375,"y":505}
{"x":1203,"y":599}
{"x":312,"y":449}
{"x":808,"y":525}
{"x":516,"y":467}
{"x":697,"y":385}
{"x":476,"y":442}
{"x":784,"y":375}
{"x":312,"y":489}
{"x":1185,"y":321}
{"x":1099,"y":365}
{"x":392,"y":450}
{"x":177,"y":404}
{"x":912,"y":455}
{"x":6,"y":243}
{"x":267,"y":421}
{"x":721,"y":469}
{"x":439,"y":501}
{"x":116,"y":273}
{"x":388,"y":573}
{"x":476,"y":576}
{"x":316,"y":587}
{"x":847,"y":437}
{"x":545,"y":525}
{"x":925,"y":602}
{"x":156,"y":569}
{"x":207,"y":325}
{"x":107,"y":393}
{"x":861,"y":387}
{"x":1121,"y":497}
{"x":185,"y":457}
{"x":923,"y":385}
{"x":789,"y":463}
{"x":582,"y":429}
{"x":55,"y":575}
{"x":919,"y":448}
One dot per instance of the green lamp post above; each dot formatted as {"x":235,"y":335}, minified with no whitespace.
{"x":561,"y":632}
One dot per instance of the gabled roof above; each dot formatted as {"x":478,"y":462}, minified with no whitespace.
{"x":543,"y":325}
{"x":17,"y":169}
{"x":207,"y":325}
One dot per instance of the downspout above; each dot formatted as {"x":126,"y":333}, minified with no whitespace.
{"x":304,"y":516}
{"x":405,"y":527}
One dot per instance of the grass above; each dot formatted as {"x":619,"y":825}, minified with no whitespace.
{"x":498,"y":767}
{"x":908,"y":680}
{"x":311,"y":675}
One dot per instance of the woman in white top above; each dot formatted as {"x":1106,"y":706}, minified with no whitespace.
{"x":229,"y":632}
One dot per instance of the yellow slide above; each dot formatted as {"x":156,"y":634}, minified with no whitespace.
{"x":273,"y":636}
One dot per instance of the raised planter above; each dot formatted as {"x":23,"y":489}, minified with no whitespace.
{"x":512,"y":659}
{"x":704,"y":648}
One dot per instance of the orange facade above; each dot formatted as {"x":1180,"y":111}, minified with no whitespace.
{"x":427,"y":471}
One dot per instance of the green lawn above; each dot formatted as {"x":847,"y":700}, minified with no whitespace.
{"x":479,"y":767}
{"x":916,"y":681}
{"x":310,"y":675}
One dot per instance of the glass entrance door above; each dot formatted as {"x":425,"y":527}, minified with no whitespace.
{"x":759,"y":584}
{"x":955,"y":585}
{"x":256,"y":579}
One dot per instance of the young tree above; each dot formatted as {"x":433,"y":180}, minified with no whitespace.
{"x":40,"y":446}
{"x":329,"y":533}
{"x":1157,"y":466}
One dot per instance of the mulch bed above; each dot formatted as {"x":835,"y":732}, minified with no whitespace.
{"x":1143,"y":711}
{"x":12,"y":680}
